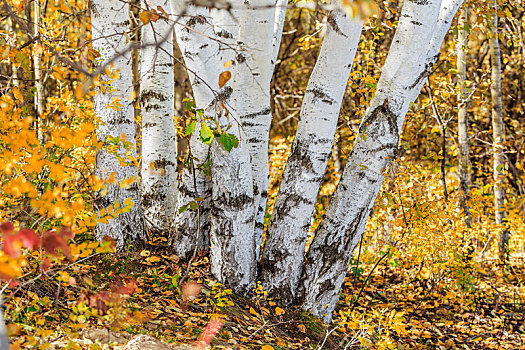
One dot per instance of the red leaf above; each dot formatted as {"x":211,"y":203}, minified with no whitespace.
{"x":46,"y":264}
{"x":212,"y":328}
{"x":12,"y":246}
{"x":7,"y":227}
{"x":13,"y":284}
{"x":52,"y":241}
{"x":28,"y":238}
{"x":66,"y":232}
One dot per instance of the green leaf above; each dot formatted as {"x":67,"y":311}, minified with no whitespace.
{"x":190,"y":128}
{"x":183,"y":209}
{"x":499,"y":168}
{"x":206,"y":133}
{"x":229,"y":141}
{"x":193,"y":205}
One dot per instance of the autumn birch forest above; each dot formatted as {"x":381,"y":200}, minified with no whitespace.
{"x":262,"y":174}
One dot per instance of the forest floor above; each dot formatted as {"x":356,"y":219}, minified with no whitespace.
{"x":410,"y":314}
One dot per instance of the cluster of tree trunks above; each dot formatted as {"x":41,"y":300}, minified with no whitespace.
{"x":243,"y":38}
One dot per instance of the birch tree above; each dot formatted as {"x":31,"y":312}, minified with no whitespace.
{"x":37,"y":64}
{"x":230,"y":56}
{"x":497,"y":133}
{"x":463,"y":140}
{"x":159,"y":148}
{"x":195,"y":37}
{"x":414,"y":50}
{"x":116,"y":129}
{"x":284,"y":247}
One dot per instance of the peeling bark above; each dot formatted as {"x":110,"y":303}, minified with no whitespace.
{"x":285,"y":242}
{"x":109,"y":22}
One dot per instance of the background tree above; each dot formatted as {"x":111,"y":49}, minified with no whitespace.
{"x":497,"y":132}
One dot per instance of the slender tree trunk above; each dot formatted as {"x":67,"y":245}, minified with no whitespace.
{"x":37,"y":65}
{"x":415,"y":48}
{"x":195,"y":38}
{"x":159,"y":176}
{"x":253,"y":97}
{"x":463,"y":140}
{"x":285,"y":242}
{"x":114,"y":107}
{"x":497,"y":134}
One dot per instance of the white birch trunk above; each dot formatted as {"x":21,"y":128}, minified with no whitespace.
{"x":414,"y":49}
{"x":497,"y":134}
{"x":109,"y":22}
{"x":195,"y":38}
{"x":463,"y":141}
{"x":285,"y":242}
{"x":159,"y":176}
{"x":234,"y":195}
{"x":251,"y":101}
{"x":280,"y":15}
{"x":37,"y":65}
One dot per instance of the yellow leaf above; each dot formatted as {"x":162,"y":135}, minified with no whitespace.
{"x":127,"y":182}
{"x":425,"y":273}
{"x":228,"y":63}
{"x":111,"y":178}
{"x":224,"y":77}
{"x":253,"y":312}
{"x":144,"y":17}
{"x":153,"y":259}
{"x":279,"y":311}
{"x":267,"y":347}
{"x":302,"y":328}
{"x":17,"y":94}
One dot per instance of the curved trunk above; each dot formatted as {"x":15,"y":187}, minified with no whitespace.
{"x":415,"y":47}
{"x":497,"y":135}
{"x":285,"y":242}
{"x":114,"y":107}
{"x":159,"y":175}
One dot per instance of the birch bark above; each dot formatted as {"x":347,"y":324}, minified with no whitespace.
{"x":415,"y":47}
{"x":37,"y":65}
{"x":497,"y":134}
{"x":463,"y":141}
{"x":236,"y":180}
{"x":109,"y":22}
{"x":280,"y":15}
{"x":159,"y":176}
{"x":285,"y":242}
{"x":254,"y":68}
{"x":195,"y":37}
